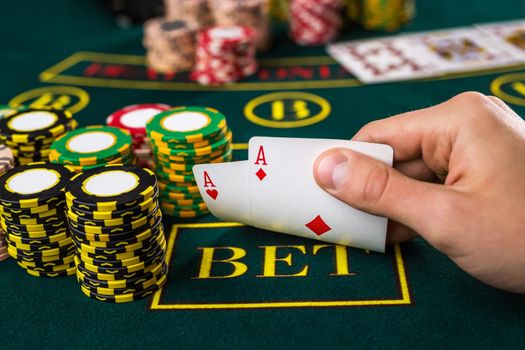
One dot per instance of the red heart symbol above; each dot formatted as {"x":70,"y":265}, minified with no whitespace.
{"x":212,"y":193}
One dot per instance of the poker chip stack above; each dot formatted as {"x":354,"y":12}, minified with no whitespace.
{"x":193,"y":11}
{"x":116,"y":225}
{"x":386,"y":15}
{"x":92,"y":147}
{"x":251,"y":13}
{"x":279,"y":10}
{"x":170,"y":45}
{"x":32,"y":209}
{"x":181,"y":138}
{"x":224,"y":54}
{"x":134,"y":119}
{"x":6,"y":163}
{"x":29,"y":132}
{"x":315,"y":22}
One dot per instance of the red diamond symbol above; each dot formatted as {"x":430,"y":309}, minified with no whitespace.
{"x":318,"y":226}
{"x":260,"y":174}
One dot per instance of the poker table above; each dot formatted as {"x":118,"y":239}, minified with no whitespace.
{"x":232,"y":286}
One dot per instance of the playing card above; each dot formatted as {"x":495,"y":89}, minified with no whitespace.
{"x":510,"y":34}
{"x":462,"y":49}
{"x":224,"y":188}
{"x":384,"y":59}
{"x":419,"y":55}
{"x":284,"y":196}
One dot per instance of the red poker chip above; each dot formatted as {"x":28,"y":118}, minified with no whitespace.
{"x":134,"y":118}
{"x":315,"y":22}
{"x":224,"y":54}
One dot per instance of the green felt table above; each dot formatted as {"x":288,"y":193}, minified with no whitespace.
{"x":276,"y":291}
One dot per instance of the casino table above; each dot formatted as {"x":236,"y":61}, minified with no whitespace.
{"x":232,"y":286}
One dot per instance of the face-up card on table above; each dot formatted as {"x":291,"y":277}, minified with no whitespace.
{"x":384,"y":59}
{"x":510,"y":35}
{"x":284,"y":196}
{"x":419,"y":55}
{"x":463,"y":49}
{"x":224,"y":188}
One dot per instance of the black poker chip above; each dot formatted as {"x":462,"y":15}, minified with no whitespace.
{"x":111,"y":188}
{"x":33,"y":185}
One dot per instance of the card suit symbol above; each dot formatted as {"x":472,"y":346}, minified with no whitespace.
{"x":260,"y":174}
{"x":212,"y":193}
{"x":318,"y":226}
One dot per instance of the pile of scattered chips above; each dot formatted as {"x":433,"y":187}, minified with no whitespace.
{"x":170,"y":45}
{"x":315,"y":22}
{"x":134,"y":119}
{"x":251,"y":13}
{"x":34,"y":221}
{"x":224,"y":54}
{"x":92,"y":147}
{"x":29,"y":132}
{"x":116,"y":225}
{"x":6,"y":163}
{"x":181,"y":138}
{"x":193,"y":11}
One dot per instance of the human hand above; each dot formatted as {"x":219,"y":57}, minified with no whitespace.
{"x":458,"y":181}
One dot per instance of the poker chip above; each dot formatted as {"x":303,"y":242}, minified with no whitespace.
{"x":193,"y":11}
{"x":6,"y":111}
{"x":224,"y":54}
{"x":39,"y":241}
{"x":170,"y":45}
{"x":279,"y":10}
{"x":386,"y":15}
{"x":134,"y":119}
{"x":181,"y":138}
{"x":116,"y":226}
{"x":29,"y":132}
{"x":91,"y":147}
{"x":315,"y":22}
{"x":250,"y":13}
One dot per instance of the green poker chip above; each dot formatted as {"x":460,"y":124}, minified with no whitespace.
{"x":91,"y":145}
{"x":188,"y":124}
{"x":219,"y":146}
{"x":188,"y":166}
{"x":195,"y":160}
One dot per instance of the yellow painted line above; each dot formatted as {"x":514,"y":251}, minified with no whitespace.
{"x":160,"y":85}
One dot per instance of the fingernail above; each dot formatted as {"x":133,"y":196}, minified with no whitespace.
{"x":332,"y":169}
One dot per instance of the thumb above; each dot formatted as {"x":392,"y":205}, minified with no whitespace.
{"x":372,"y":186}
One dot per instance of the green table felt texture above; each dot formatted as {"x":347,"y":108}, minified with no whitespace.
{"x":410,"y":297}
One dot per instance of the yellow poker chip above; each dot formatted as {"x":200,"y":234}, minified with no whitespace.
{"x":33,"y":185}
{"x":124,"y":298}
{"x":69,"y":272}
{"x":41,"y":247}
{"x":131,"y":248}
{"x":111,"y":188}
{"x":34,"y":124}
{"x":133,"y":219}
{"x":124,"y":262}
